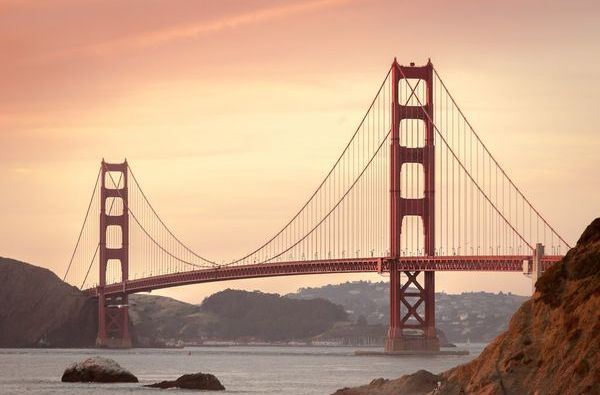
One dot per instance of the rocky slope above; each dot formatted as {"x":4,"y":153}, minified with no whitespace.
{"x":552,"y":344}
{"x":38,"y":309}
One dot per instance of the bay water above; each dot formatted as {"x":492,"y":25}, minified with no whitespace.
{"x":241,"y":369}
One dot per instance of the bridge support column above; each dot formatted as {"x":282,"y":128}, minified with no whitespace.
{"x":412,"y":312}
{"x":412,"y":303}
{"x":113,"y":311}
{"x":537,"y":269}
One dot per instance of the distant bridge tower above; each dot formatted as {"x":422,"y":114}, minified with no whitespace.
{"x":405,"y":299}
{"x":113,"y":311}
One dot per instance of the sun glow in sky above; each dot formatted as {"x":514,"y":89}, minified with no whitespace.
{"x":231,"y":112}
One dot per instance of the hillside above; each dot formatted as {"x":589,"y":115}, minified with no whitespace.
{"x":269,"y":316}
{"x":234,"y":315}
{"x":231,"y":315}
{"x":552,"y":344}
{"x":159,"y":320}
{"x":474,"y":316}
{"x":37,"y":309}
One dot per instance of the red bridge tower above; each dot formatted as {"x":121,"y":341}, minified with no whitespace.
{"x":113,"y":311}
{"x":408,"y":329}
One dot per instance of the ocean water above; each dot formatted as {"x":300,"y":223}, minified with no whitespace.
{"x":242,"y":370}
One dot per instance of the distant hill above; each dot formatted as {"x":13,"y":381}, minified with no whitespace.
{"x":269,"y":316}
{"x":474,"y":316}
{"x":232,"y":315}
{"x":37,"y":309}
{"x":159,"y":320}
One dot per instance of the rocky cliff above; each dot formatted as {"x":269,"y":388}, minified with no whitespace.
{"x":37,"y":309}
{"x":552,"y":344}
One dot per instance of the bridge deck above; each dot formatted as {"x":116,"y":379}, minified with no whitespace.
{"x":512,"y":263}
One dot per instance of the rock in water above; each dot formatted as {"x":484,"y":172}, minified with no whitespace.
{"x":98,"y":370}
{"x":196,"y":381}
{"x":419,"y":383}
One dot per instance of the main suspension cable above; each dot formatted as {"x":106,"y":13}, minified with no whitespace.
{"x":150,"y":236}
{"x":463,"y":167}
{"x":164,"y":225}
{"x":321,"y":184}
{"x":83,"y":225}
{"x":495,"y":161}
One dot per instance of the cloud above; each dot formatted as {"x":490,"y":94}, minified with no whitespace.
{"x":186,"y":31}
{"x":22,"y":170}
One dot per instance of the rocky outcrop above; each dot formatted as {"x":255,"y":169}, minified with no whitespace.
{"x":552,"y":344}
{"x":98,"y":370}
{"x":37,"y":309}
{"x":196,"y":381}
{"x":419,"y":383}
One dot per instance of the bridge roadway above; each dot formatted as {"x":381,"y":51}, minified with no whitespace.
{"x":509,"y":263}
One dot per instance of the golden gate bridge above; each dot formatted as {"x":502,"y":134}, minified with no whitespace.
{"x":414,"y":191}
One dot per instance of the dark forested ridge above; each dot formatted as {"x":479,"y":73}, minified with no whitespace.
{"x":269,"y":316}
{"x":242,"y":316}
{"x":231,"y":315}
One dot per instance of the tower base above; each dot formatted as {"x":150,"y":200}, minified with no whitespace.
{"x":113,"y":322}
{"x":113,"y":343}
{"x":412,"y":343}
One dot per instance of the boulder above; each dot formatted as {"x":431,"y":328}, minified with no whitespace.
{"x":196,"y":381}
{"x":419,"y":383}
{"x":98,"y":370}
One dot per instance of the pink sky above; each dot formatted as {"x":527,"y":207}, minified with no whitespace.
{"x":202,"y":97}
